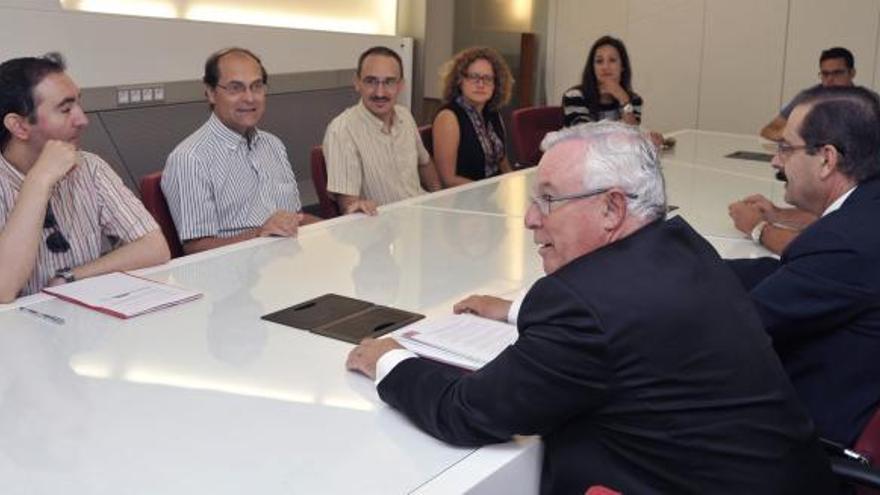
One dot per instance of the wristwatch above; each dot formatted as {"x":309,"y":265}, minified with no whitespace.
{"x":66,"y":274}
{"x":628,"y":108}
{"x":758,"y":231}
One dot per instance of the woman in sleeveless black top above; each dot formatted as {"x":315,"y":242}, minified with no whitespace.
{"x":468,"y":132}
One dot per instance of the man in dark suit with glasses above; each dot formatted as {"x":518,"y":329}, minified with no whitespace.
{"x":58,"y":204}
{"x":640,"y":360}
{"x":820,"y":302}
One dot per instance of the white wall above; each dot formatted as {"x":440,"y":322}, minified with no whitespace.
{"x":714,"y":64}
{"x":110,"y":50}
{"x":670,"y":102}
{"x":739,"y":90}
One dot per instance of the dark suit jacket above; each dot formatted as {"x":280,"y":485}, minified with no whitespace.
{"x":821,"y":305}
{"x":644,"y":367}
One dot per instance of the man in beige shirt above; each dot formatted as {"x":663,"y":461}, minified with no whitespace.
{"x":373,"y":150}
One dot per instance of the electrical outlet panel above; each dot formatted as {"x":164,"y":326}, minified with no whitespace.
{"x":140,"y":95}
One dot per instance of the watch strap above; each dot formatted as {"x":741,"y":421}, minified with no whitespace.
{"x":66,"y":274}
{"x":758,"y":231}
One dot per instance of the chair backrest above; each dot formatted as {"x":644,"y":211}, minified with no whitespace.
{"x":427,"y":138}
{"x":601,"y":490}
{"x":863,"y":479}
{"x":154,"y":201}
{"x":329,"y":208}
{"x":868,"y":443}
{"x":530,"y":125}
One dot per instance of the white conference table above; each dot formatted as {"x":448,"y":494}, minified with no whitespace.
{"x":208,"y":398}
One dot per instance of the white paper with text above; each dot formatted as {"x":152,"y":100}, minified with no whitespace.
{"x":465,"y":340}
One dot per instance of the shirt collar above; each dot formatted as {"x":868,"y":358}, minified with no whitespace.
{"x":372,"y":120}
{"x":227,"y":136}
{"x":838,"y":202}
{"x":11,"y":172}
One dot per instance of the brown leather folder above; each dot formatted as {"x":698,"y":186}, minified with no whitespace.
{"x":343,"y":318}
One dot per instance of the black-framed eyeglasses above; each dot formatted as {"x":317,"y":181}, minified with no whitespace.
{"x":475,"y":78}
{"x":56,"y":242}
{"x":236,"y":88}
{"x":544,"y":202}
{"x":825,"y":74}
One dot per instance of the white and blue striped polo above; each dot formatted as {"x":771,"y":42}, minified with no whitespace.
{"x":219,"y":185}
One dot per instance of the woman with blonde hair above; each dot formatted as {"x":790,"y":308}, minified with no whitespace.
{"x":468,"y":131}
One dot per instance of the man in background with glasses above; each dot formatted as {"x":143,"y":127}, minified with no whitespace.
{"x":640,"y":359}
{"x":373,"y":150}
{"x":59,"y":205}
{"x":821,"y":301}
{"x":229,"y":181}
{"x":836,"y":68}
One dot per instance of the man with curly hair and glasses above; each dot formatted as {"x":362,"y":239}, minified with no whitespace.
{"x":59,"y":205}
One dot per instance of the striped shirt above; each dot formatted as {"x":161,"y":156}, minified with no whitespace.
{"x":217,"y":185}
{"x":366,"y":161}
{"x":574,"y":106}
{"x":89,"y":204}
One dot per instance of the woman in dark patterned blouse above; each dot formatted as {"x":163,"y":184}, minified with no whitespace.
{"x":468,"y":131}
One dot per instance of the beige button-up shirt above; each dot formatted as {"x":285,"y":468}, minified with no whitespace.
{"x":365,"y":160}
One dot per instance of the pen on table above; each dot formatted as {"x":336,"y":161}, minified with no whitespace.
{"x":39,"y":314}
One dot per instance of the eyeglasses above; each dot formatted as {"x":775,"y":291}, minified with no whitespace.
{"x":544,"y":202}
{"x":375,"y":82}
{"x":56,"y":242}
{"x":824,"y":74}
{"x":785,"y":150}
{"x":475,"y":78}
{"x":236,"y":88}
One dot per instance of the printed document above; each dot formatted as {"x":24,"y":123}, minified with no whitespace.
{"x":122,"y":295}
{"x":465,"y":340}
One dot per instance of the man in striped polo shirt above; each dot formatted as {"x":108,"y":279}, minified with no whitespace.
{"x":373,"y":150}
{"x":229,"y":181}
{"x":58,"y":204}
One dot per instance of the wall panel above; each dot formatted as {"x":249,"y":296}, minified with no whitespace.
{"x":740,"y":92}
{"x":664,"y":41}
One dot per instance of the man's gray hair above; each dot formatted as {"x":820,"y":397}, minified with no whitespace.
{"x":619,"y":155}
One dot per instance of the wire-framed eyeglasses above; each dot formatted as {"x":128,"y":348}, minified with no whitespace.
{"x":545,"y":202}
{"x":785,"y":150}
{"x":374,"y":82}
{"x":236,"y":88}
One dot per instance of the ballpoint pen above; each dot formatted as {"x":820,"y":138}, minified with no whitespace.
{"x":39,"y":314}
